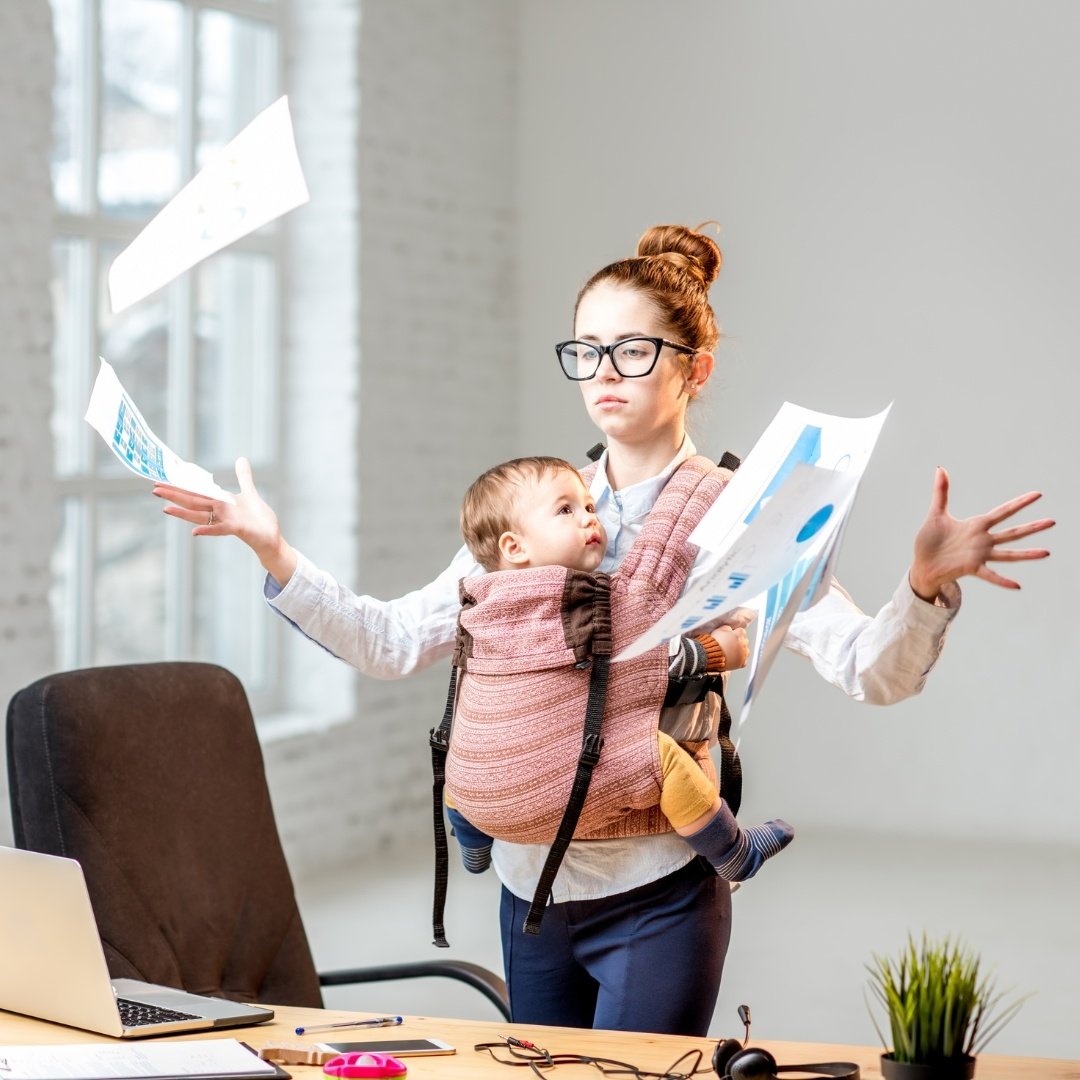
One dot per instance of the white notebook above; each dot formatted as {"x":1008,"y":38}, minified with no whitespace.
{"x":158,"y":1061}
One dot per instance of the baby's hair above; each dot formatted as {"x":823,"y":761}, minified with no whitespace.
{"x":674,"y":266}
{"x":488,"y":509}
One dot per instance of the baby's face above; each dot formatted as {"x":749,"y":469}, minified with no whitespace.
{"x":557,"y":523}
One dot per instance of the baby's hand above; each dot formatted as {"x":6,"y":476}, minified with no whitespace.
{"x":740,"y":618}
{"x":736,"y":645}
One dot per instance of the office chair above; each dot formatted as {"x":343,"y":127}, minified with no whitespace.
{"x":151,"y":776}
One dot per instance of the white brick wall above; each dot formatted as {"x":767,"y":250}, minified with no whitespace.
{"x":29,"y":515}
{"x":404,"y":256}
{"x":405,"y":124}
{"x":438,"y":146}
{"x":412,"y":197}
{"x":322,"y":334}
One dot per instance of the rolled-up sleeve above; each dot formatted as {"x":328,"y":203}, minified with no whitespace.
{"x":387,"y":639}
{"x":879,"y":659}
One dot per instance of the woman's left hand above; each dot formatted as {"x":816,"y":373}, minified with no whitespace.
{"x":948,"y":548}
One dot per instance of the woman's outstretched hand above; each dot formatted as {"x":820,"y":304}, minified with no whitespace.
{"x":250,"y":518}
{"x":948,"y":548}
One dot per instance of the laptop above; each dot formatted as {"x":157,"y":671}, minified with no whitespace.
{"x":52,"y":965}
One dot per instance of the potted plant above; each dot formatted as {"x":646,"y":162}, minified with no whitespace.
{"x":941,"y":1011}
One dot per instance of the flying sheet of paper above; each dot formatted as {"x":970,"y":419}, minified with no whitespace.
{"x":790,"y":528}
{"x":249,"y":182}
{"x":795,"y":434}
{"x":776,"y":608}
{"x":775,"y":532}
{"x":116,"y":418}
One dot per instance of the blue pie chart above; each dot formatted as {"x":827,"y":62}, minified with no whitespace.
{"x":814,"y":523}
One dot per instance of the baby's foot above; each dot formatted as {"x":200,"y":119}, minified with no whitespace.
{"x":737,"y":854}
{"x":475,"y":845}
{"x":476,"y":860}
{"x":752,"y":847}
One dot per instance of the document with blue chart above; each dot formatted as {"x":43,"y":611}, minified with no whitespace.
{"x":116,"y":418}
{"x":775,"y":533}
{"x":246,"y":184}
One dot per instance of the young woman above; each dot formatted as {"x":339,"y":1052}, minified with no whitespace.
{"x":636,"y":936}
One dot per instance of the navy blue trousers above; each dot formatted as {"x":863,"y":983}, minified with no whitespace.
{"x":649,"y":959}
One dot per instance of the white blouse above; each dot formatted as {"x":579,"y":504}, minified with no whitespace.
{"x":877,"y":660}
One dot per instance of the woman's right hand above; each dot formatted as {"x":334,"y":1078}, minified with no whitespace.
{"x":250,"y":518}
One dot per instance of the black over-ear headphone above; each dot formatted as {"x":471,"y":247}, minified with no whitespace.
{"x":734,"y":1060}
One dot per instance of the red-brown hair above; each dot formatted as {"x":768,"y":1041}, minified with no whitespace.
{"x":674,"y":268}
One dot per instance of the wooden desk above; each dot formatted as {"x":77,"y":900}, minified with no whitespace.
{"x":656,"y":1052}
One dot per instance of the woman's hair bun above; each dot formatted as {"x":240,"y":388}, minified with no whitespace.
{"x":696,"y":252}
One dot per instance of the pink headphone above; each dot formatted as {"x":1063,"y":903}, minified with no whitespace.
{"x":359,"y":1064}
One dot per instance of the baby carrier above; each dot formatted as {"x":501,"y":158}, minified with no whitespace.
{"x":531,"y":704}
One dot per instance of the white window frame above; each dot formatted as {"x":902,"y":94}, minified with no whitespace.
{"x":82,"y":488}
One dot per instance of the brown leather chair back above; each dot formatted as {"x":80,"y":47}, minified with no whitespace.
{"x":151,"y":776}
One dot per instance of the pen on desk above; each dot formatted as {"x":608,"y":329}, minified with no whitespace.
{"x":376,"y":1021}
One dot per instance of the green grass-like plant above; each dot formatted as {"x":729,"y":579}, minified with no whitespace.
{"x":938,"y":1005}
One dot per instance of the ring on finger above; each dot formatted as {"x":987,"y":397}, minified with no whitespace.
{"x":210,"y":521}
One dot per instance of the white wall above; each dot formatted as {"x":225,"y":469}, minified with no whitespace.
{"x":29,"y":514}
{"x":402,"y":328}
{"x":897,"y":190}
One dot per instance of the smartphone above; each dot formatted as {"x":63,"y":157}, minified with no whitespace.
{"x":394,"y":1047}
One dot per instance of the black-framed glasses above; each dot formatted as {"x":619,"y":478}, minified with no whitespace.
{"x":631,"y":358}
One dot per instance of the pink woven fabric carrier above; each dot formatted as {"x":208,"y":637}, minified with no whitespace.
{"x":526,"y":639}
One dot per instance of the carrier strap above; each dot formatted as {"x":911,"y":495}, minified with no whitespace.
{"x":592,"y":743}
{"x":440,"y":744}
{"x":730,"y":765}
{"x":697,"y":688}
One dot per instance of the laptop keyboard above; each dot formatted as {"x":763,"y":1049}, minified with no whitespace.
{"x":137,"y":1014}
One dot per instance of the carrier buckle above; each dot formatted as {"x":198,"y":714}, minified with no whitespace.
{"x":691,"y":690}
{"x":590,"y":749}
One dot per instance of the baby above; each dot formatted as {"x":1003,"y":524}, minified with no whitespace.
{"x":538,"y":511}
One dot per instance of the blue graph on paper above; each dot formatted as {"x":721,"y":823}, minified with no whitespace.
{"x":807,"y":449}
{"x":134,"y":445}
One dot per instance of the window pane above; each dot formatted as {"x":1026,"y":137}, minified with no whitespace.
{"x":70,"y":354}
{"x":237,"y":76}
{"x":136,"y":344}
{"x":140,"y":85}
{"x":68,"y":119}
{"x":234,"y":379}
{"x":129,"y":581}
{"x":231,"y":624}
{"x":139,"y":167}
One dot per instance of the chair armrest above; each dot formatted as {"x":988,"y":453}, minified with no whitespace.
{"x":480,"y":978}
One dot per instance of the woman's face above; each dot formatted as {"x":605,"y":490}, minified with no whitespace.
{"x":642,"y":410}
